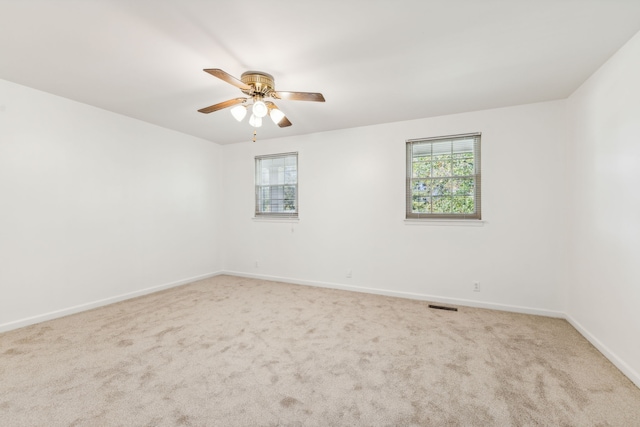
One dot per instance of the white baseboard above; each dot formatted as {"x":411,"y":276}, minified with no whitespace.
{"x":99,"y":303}
{"x":409,"y":295}
{"x":633,"y":375}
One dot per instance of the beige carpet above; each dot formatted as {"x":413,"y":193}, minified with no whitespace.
{"x":230,"y":351}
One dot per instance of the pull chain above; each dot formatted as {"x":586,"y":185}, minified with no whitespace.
{"x":254,"y":135}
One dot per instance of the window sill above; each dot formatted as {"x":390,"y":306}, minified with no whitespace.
{"x":276,"y":218}
{"x":446,"y":222}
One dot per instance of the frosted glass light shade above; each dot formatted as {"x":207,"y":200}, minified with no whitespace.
{"x":254,"y":121}
{"x":276,"y":115}
{"x":238,"y":112}
{"x":259,"y":109}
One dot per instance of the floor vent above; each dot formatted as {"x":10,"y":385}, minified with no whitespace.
{"x":442,"y":307}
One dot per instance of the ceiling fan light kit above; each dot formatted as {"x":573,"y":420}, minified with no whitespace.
{"x":257,"y":86}
{"x":276,"y":115}
{"x":255,"y":121}
{"x":259,"y":108}
{"x":238,"y":112}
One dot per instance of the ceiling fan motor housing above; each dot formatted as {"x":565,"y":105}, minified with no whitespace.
{"x":261,"y":83}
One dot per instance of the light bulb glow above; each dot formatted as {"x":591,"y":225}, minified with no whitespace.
{"x":238,"y":112}
{"x":259,"y":109}
{"x":254,"y":121}
{"x":276,"y":115}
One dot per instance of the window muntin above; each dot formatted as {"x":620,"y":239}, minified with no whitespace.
{"x":276,"y":185}
{"x":443,"y":178}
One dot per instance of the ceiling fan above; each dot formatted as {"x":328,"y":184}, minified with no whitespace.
{"x":257,"y":85}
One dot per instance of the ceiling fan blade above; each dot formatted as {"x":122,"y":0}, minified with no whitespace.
{"x":284,"y":122}
{"x":222,"y":105}
{"x":298,"y":96}
{"x":223,"y":75}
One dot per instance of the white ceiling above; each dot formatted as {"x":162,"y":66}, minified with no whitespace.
{"x":375,"y":61}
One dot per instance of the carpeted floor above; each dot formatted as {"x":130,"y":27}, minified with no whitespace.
{"x":231,"y":351}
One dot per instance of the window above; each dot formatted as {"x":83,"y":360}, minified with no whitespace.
{"x":443,"y":177}
{"x":277,"y":185}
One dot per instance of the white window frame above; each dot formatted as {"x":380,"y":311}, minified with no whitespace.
{"x":413,"y":181}
{"x":279,"y":181}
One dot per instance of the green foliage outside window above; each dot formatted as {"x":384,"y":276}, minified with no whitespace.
{"x":443,"y":177}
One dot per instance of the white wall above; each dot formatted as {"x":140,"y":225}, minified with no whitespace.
{"x":95,"y":206}
{"x":352,"y":186}
{"x":603,"y":295}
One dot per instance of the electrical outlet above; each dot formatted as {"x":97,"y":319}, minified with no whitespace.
{"x":349,"y":274}
{"x":256,"y":264}
{"x":476,"y":286}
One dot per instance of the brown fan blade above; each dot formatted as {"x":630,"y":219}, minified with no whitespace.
{"x":298,"y":96}
{"x":222,"y":105}
{"x":284,"y":122}
{"x":223,"y":75}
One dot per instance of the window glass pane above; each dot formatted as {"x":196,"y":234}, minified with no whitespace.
{"x":440,"y":187}
{"x":277,"y":192}
{"x":441,"y":204}
{"x":421,"y":185}
{"x":420,"y":150}
{"x":277,"y":162}
{"x":279,"y":175}
{"x":462,"y":166}
{"x":421,"y":169}
{"x":441,"y":165}
{"x":462,"y":205}
{"x":463,"y":146}
{"x":462,"y":187}
{"x":464,"y":155}
{"x":276,"y":184}
{"x":275,"y":202}
{"x":440,"y":148}
{"x":421,"y":203}
{"x":265,"y":197}
{"x":290,"y":175}
{"x":443,"y":174}
{"x":289,"y":198}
